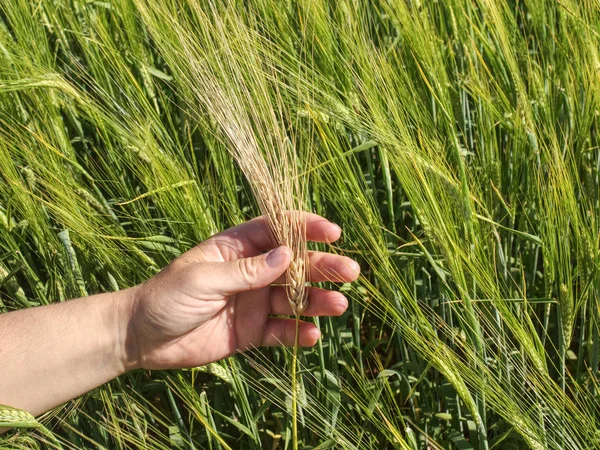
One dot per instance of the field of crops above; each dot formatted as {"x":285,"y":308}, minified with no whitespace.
{"x":455,"y":142}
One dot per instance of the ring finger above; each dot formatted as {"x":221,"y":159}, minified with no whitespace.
{"x":329,"y":267}
{"x":321,"y":302}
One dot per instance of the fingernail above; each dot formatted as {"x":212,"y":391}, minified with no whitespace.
{"x":276,"y":257}
{"x":342,"y":301}
{"x":314,"y":334}
{"x":340,"y":304}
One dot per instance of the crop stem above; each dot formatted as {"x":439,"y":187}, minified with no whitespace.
{"x":295,"y":386}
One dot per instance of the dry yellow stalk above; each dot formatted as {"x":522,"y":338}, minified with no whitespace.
{"x":257,"y":136}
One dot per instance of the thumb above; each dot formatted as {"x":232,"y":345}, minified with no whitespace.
{"x":255,"y":272}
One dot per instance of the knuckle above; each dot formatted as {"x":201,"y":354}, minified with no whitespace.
{"x":248,"y":271}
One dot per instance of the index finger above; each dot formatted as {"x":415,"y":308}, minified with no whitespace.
{"x":254,"y":237}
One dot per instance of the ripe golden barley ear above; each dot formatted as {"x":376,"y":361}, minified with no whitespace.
{"x":297,"y":293}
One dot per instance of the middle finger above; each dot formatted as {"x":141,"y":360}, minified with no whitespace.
{"x":321,"y":302}
{"x":329,"y":267}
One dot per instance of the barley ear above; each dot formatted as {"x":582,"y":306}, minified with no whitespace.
{"x":16,"y":418}
{"x":297,"y":294}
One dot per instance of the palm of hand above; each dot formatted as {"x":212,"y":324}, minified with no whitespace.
{"x":217,"y":298}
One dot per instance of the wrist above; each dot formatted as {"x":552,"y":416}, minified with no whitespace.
{"x":127,"y":346}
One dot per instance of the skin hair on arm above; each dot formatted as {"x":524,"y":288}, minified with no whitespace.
{"x":211,"y":302}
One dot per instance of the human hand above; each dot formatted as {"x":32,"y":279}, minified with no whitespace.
{"x":217,"y":298}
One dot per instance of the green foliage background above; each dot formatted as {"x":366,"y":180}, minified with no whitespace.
{"x":456,"y":143}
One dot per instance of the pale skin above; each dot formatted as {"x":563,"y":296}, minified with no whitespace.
{"x":211,"y":302}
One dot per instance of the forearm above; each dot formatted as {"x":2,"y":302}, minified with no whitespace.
{"x":51,"y":354}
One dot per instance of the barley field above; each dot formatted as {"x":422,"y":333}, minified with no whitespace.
{"x":455,"y":142}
